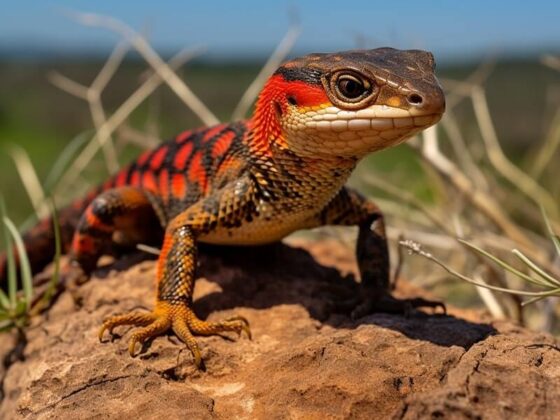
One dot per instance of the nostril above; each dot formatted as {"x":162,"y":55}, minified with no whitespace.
{"x":415,"y":99}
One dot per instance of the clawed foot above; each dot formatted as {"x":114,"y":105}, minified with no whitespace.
{"x":177,"y":317}
{"x":363,"y":304}
{"x":390,"y":304}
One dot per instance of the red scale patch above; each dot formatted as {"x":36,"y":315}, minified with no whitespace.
{"x":183,"y":136}
{"x":178,"y":186}
{"x":143,"y":158}
{"x":149,"y":181}
{"x":197,"y":173}
{"x":223,"y":144}
{"x":121,"y":178}
{"x":157,"y":159}
{"x":211,"y":132}
{"x":182,"y":156}
{"x":135,"y":179}
{"x":164,"y":184}
{"x":107,"y":185}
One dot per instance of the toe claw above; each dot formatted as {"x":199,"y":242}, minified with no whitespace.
{"x":247,"y":331}
{"x":101,"y":332}
{"x":244,"y":325}
{"x":181,"y":319}
{"x":132,"y":345}
{"x":391,"y":304}
{"x":197,"y":358}
{"x":434,"y":304}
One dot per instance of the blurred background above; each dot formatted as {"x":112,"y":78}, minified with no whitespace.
{"x":498,"y":62}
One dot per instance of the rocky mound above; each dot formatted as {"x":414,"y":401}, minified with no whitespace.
{"x":303,"y":361}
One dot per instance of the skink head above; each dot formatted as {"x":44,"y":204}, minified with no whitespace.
{"x":351,"y":103}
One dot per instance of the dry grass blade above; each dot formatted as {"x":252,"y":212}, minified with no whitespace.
{"x":553,"y":236}
{"x":462,"y":153}
{"x":545,"y":277}
{"x":549,"y":148}
{"x":490,"y":300}
{"x":29,"y":179}
{"x":24,"y":266}
{"x":148,"y":249}
{"x":415,"y":248}
{"x":152,"y":58}
{"x":484,"y":202}
{"x":92,"y":95}
{"x":139,"y":138}
{"x":551,"y":61}
{"x":459,"y":90}
{"x":110,"y":67}
{"x":10,"y":259}
{"x":273,"y":62}
{"x":44,"y":301}
{"x":501,"y":263}
{"x":503,"y":165}
{"x":68,"y":85}
{"x":119,"y":117}
{"x":409,"y":198}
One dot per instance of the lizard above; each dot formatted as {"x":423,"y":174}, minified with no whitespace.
{"x":255,"y":181}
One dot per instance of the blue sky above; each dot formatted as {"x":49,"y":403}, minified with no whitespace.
{"x":451,"y":29}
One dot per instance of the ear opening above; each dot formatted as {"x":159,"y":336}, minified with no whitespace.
{"x":278,"y":109}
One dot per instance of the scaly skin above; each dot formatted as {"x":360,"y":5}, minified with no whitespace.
{"x":256,"y":181}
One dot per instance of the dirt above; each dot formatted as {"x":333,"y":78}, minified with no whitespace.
{"x":303,"y":362}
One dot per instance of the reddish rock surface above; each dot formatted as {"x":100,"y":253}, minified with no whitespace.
{"x":303,"y":361}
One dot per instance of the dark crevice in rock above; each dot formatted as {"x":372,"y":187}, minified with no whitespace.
{"x":14,"y":355}
{"x":82,"y":389}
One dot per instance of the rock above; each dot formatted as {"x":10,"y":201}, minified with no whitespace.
{"x":303,"y":361}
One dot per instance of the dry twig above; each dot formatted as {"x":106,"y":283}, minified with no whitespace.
{"x":272,"y":63}
{"x":117,"y":118}
{"x":147,"y":52}
{"x":503,"y":165}
{"x":92,"y":94}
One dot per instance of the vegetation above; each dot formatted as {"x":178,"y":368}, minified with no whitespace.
{"x":21,"y":303}
{"x":480,"y":177}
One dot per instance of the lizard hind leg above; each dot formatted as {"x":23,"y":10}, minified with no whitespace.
{"x":125,"y":210}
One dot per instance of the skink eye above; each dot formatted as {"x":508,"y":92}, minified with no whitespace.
{"x":350,"y":87}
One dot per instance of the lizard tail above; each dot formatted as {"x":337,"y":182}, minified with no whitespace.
{"x":39,"y":241}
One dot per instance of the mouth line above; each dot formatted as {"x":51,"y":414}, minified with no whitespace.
{"x":379,"y":123}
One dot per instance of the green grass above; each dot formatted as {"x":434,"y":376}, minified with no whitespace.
{"x":17,"y":305}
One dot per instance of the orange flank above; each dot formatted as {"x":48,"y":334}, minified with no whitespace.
{"x":157,"y":159}
{"x":182,"y":156}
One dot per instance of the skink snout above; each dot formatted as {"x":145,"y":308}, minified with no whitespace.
{"x":432,"y":102}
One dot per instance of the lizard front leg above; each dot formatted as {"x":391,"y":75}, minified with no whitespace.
{"x":176,"y":271}
{"x":350,"y":208}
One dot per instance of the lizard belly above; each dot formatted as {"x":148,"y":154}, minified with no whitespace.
{"x":270,"y":225}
